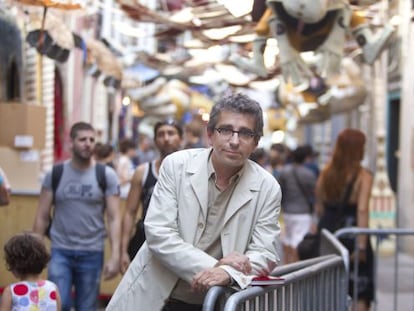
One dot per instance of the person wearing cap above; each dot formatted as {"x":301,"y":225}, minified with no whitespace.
{"x":168,"y":136}
{"x":212,"y":219}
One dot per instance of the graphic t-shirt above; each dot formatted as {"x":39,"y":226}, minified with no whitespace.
{"x":78,"y":217}
{"x":34,"y":296}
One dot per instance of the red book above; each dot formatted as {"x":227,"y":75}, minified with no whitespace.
{"x":267,"y":280}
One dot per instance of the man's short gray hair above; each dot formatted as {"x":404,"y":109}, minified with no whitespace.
{"x":239,"y":103}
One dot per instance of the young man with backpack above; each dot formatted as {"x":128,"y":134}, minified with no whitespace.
{"x":81,"y":192}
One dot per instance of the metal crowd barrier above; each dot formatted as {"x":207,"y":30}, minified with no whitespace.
{"x":314,"y":284}
{"x":380,"y":235}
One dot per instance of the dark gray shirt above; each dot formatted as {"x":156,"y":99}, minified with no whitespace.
{"x":294,"y":201}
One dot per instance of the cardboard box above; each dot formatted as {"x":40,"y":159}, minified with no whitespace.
{"x":22,"y":168}
{"x":22,"y":126}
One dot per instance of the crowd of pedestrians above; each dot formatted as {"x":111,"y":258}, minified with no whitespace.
{"x":194,"y":217}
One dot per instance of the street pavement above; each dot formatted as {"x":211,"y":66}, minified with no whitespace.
{"x":395,"y":291}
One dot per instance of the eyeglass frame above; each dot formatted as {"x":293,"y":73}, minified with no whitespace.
{"x":243,"y":134}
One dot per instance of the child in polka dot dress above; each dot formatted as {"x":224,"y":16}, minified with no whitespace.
{"x":26,"y":257}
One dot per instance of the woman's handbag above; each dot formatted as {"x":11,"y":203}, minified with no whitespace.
{"x":309,"y":246}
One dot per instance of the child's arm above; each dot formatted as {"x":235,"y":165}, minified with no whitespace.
{"x":58,"y":301}
{"x":6,"y":300}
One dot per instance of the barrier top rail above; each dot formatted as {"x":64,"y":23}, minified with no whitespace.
{"x":356,"y":230}
{"x":299,"y":279}
{"x":290,"y":271}
{"x":216,"y":295}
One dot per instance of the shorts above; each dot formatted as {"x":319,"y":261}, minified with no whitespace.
{"x":295,"y":228}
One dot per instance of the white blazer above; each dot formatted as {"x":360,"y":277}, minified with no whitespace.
{"x":175,"y":221}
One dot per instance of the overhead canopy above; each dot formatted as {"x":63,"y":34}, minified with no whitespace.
{"x":141,"y":72}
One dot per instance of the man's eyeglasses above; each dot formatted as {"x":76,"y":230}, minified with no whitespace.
{"x":244,"y":135}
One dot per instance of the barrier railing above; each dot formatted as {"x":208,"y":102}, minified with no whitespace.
{"x":379,"y":235}
{"x":216,"y":298}
{"x":314,"y":284}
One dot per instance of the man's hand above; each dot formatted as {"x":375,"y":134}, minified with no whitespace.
{"x":210,"y":277}
{"x":314,"y":228}
{"x":362,"y":255}
{"x":238,"y":261}
{"x":111,"y":269}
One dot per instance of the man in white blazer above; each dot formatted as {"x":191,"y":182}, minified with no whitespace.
{"x":212,"y":220}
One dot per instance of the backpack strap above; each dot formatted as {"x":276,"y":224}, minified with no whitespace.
{"x":101,"y":176}
{"x":57,"y":171}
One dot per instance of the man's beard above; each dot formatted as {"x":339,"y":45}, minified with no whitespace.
{"x":81,"y":157}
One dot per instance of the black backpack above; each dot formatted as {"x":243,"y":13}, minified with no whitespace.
{"x":57,"y":171}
